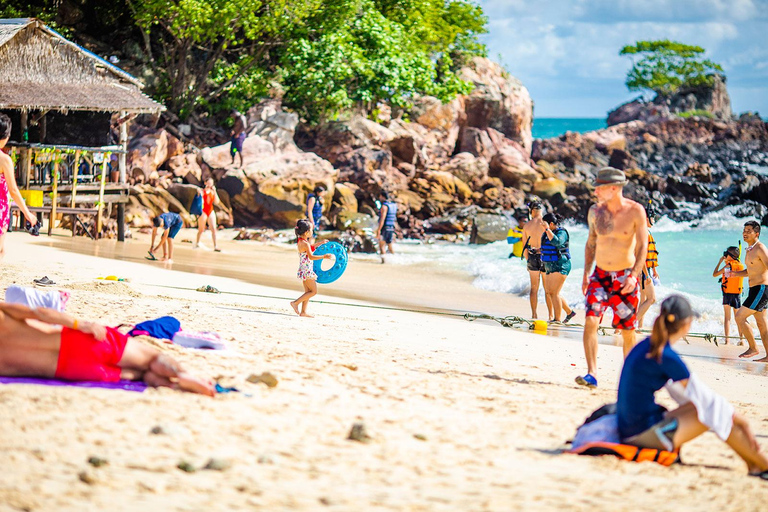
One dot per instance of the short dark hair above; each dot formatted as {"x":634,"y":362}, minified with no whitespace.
{"x":754,"y":225}
{"x":553,"y":218}
{"x":302,"y":226}
{"x":156,"y":221}
{"x":384,"y":195}
{"x":318,"y":189}
{"x":5,"y":126}
{"x":733,"y":252}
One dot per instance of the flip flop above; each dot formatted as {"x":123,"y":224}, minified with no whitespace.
{"x":762,"y":476}
{"x":43,"y":281}
{"x":151,"y":256}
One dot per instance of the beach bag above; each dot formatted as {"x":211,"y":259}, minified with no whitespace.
{"x":162,"y":328}
{"x":197,"y":205}
{"x":599,"y":435}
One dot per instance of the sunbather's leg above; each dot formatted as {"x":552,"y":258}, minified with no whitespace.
{"x":158,"y":369}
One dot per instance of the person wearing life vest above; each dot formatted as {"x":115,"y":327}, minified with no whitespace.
{"x":387,"y":223}
{"x":731,"y":286}
{"x":315,"y":206}
{"x":650,"y":275}
{"x":556,"y":258}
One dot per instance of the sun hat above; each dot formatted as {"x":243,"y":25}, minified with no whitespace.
{"x":610,"y":176}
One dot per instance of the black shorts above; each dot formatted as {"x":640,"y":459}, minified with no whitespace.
{"x":757,"y":300}
{"x":732,"y":299}
{"x":534,"y":262}
{"x":387,"y":234}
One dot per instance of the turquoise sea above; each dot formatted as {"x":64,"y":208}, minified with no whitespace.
{"x":548,"y":127}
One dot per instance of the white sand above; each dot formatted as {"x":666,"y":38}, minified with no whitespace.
{"x":494,"y":407}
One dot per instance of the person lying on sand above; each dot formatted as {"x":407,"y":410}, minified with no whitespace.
{"x":45,"y":343}
{"x":653,"y":364}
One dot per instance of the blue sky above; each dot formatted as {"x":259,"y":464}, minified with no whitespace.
{"x":566,"y":51}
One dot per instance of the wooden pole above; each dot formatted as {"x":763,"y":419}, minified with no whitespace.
{"x":28,"y":165}
{"x":75,"y":172}
{"x":23,"y":154}
{"x":55,"y":189}
{"x":122,"y":168}
{"x":101,"y":196}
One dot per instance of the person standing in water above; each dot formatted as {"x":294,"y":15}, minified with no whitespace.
{"x":617,"y":246}
{"x":731,"y":286}
{"x":8,"y":187}
{"x":533,"y":230}
{"x":208,"y":217}
{"x":238,"y":135}
{"x":315,"y":207}
{"x":556,"y":257}
{"x":387,"y":223}
{"x":650,"y":275}
{"x":757,"y":300}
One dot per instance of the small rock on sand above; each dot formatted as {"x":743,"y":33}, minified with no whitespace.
{"x":97,"y":462}
{"x":186,"y":466}
{"x":420,"y":437}
{"x":266,"y":378}
{"x":87,"y":476}
{"x":359,"y":433}
{"x":216,"y":464}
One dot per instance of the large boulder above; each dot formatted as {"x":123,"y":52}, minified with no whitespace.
{"x":438,"y":124}
{"x":146,"y":153}
{"x":334,"y":140}
{"x":513,"y":169}
{"x":548,"y":188}
{"x":499,"y":101}
{"x":187,"y":168}
{"x":471,"y":170}
{"x":476,"y":142}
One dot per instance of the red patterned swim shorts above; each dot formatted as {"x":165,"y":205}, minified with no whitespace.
{"x":604,"y":291}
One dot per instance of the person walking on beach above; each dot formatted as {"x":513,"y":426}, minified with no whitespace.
{"x":8,"y":187}
{"x":306,"y":270}
{"x":654,"y":364}
{"x":208,"y":217}
{"x":650,"y":275}
{"x":617,"y":246}
{"x":387,"y":224}
{"x":556,"y":257}
{"x":757,"y":300}
{"x":533,"y":230}
{"x":238,"y":135}
{"x":170,"y":224}
{"x":731,"y":286}
{"x":315,"y":206}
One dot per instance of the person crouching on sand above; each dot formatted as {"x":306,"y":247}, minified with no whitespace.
{"x":48,"y":344}
{"x":653,"y":364}
{"x":731,"y":286}
{"x":306,"y":272}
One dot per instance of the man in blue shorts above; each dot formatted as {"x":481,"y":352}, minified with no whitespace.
{"x":170,"y":224}
{"x":238,"y":135}
{"x":387,"y":223}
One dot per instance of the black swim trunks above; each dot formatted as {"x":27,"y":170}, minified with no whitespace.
{"x":388,"y":234}
{"x":534,"y":261}
{"x":732,"y":299}
{"x":757,"y":300}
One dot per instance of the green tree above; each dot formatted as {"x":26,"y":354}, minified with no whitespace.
{"x":666,"y":66}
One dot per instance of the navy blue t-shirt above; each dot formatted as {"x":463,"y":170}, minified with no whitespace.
{"x":641,"y":377}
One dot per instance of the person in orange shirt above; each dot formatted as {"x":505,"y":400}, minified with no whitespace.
{"x":731,"y":286}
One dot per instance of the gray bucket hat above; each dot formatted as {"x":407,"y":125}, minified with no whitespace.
{"x":610,"y":176}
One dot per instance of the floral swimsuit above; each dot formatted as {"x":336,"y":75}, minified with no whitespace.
{"x":5,"y":206}
{"x":306,"y":268}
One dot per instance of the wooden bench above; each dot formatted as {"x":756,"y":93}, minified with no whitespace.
{"x":74,"y":212}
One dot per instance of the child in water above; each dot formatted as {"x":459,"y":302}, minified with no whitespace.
{"x":306,"y":272}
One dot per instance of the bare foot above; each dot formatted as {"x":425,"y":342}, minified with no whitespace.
{"x":749,"y":353}
{"x":295,"y":308}
{"x":761,"y":360}
{"x":307,"y":315}
{"x":187,"y":382}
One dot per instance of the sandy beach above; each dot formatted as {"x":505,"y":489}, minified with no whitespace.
{"x":461,"y":415}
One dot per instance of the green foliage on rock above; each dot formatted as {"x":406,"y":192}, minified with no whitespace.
{"x":665,"y":67}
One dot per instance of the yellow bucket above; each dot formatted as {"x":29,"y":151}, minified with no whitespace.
{"x":540,"y":326}
{"x":33,"y":198}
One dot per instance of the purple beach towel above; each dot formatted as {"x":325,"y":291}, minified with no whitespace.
{"x":125,"y":385}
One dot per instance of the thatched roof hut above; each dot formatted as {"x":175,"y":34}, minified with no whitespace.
{"x":41,"y":70}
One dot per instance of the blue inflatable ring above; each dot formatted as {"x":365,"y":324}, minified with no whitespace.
{"x":339,"y":265}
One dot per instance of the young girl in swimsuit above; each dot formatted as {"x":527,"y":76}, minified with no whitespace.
{"x":208,"y":218}
{"x":8,"y":187}
{"x":306,"y":273}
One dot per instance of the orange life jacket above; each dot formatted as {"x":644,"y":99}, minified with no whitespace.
{"x":629,"y":452}
{"x":652,"y":259}
{"x":733,"y":284}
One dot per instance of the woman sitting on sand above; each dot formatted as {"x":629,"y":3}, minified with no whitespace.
{"x":651,"y":365}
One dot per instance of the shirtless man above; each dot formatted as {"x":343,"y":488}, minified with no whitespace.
{"x":48,"y":344}
{"x":238,"y":135}
{"x":532,"y":231}
{"x":617,"y":245}
{"x":757,"y":300}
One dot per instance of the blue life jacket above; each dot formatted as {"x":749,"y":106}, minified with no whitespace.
{"x":391,"y":218}
{"x":550,"y":253}
{"x":317,"y":210}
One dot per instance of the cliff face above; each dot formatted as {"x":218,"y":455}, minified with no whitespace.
{"x":713,"y":99}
